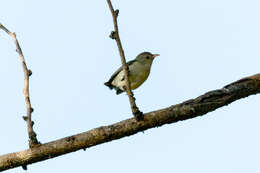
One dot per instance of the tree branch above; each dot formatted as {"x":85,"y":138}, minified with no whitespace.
{"x":115,"y":35}
{"x":27,"y":73}
{"x":189,"y":109}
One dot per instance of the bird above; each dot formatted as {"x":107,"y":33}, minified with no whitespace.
{"x":139,"y":70}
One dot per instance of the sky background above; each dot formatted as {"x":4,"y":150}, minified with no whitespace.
{"x":203,"y":44}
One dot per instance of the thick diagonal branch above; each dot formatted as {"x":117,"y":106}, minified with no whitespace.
{"x":189,"y":109}
{"x":115,"y":35}
{"x":32,"y":135}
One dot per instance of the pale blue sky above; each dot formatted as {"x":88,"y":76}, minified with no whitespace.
{"x":204,"y":45}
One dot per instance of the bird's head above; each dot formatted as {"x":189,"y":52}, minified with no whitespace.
{"x":146,"y":58}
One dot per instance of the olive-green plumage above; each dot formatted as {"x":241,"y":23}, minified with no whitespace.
{"x":139,"y":70}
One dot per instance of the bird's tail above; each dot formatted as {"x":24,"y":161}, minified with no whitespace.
{"x":109,"y":85}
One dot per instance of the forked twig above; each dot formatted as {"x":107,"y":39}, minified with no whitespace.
{"x":115,"y":35}
{"x":27,"y":73}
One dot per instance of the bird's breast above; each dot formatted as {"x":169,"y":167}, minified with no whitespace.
{"x":138,"y":74}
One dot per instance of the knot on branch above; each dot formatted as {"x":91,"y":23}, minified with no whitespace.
{"x":25,"y":118}
{"x":116,"y":12}
{"x":70,"y":139}
{"x":32,"y":123}
{"x":24,"y":167}
{"x":29,"y":72}
{"x":33,"y":140}
{"x":139,"y":116}
{"x":112,"y":35}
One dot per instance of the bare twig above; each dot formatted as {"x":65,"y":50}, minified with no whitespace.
{"x":27,"y":73}
{"x":199,"y":106}
{"x":115,"y":35}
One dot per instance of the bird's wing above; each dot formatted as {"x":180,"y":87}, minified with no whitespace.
{"x":118,"y":70}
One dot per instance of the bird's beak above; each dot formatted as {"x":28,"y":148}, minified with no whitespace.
{"x":155,"y":55}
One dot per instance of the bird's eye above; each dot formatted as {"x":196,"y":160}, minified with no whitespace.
{"x":147,"y":57}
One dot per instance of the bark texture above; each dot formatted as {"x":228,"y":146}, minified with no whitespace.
{"x":189,"y":109}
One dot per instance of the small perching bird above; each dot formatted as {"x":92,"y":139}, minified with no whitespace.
{"x":139,"y":70}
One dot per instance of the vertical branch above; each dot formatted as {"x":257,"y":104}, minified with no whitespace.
{"x":115,"y":35}
{"x":27,"y":73}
